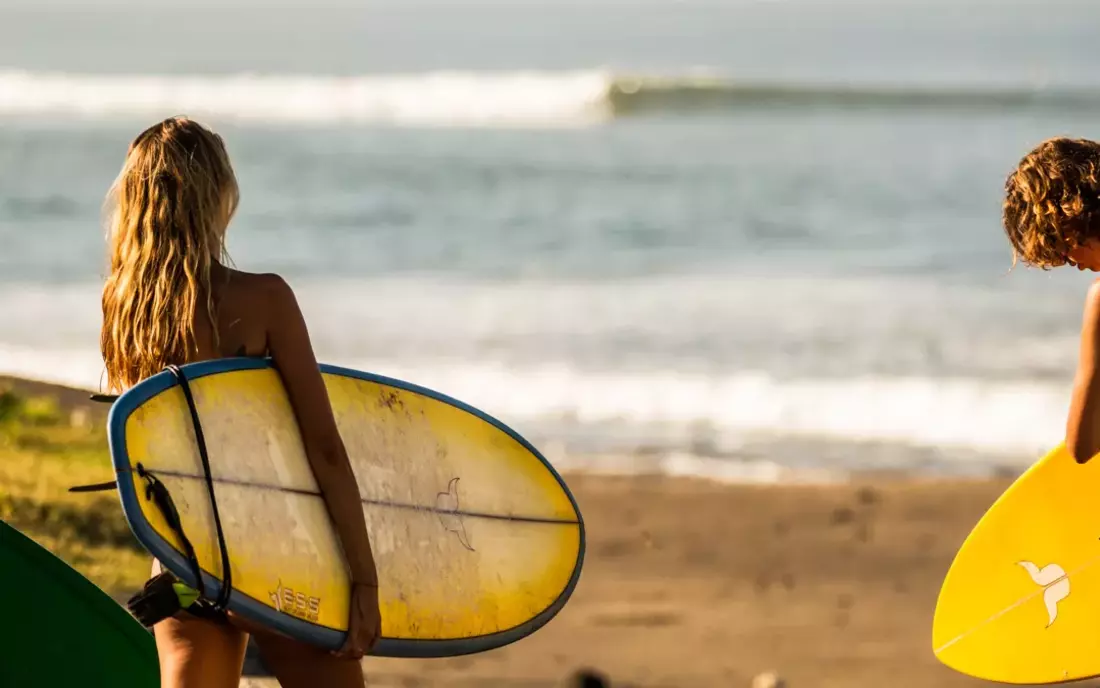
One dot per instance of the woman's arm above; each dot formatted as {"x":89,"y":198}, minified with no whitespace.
{"x":292,"y":353}
{"x":1083,"y":425}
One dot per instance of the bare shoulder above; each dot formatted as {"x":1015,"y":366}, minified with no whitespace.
{"x":1088,"y":357}
{"x":287,"y":334}
{"x":263,"y":292}
{"x":276,"y":290}
{"x":1091,"y":324}
{"x":1092,"y":300}
{"x":268,"y":283}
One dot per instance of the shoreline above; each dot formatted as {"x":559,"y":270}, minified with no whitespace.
{"x":749,"y":468}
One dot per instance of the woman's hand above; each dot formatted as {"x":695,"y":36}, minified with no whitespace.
{"x":364,"y":622}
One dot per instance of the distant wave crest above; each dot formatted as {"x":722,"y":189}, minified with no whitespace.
{"x":475,"y":98}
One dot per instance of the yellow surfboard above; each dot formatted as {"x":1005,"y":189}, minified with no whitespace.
{"x":1021,"y":602}
{"x":477,"y":540}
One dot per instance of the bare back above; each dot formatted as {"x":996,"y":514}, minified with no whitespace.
{"x":242,"y":306}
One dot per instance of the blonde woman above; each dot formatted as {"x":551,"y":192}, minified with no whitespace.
{"x":169,"y":299}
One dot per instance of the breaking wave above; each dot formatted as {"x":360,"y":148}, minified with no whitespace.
{"x":521,"y":98}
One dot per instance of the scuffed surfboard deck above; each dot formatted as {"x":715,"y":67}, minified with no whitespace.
{"x":477,"y":539}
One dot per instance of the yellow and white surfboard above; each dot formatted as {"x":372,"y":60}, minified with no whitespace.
{"x":477,"y":540}
{"x":1021,"y":602}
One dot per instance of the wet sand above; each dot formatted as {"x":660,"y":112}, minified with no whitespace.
{"x":689,"y":583}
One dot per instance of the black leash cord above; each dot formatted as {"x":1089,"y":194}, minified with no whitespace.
{"x":156,"y":491}
{"x":222,"y":602}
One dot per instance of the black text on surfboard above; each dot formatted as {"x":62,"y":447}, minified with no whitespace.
{"x":296,"y":604}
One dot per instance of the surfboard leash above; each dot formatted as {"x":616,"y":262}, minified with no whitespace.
{"x":162,"y":596}
{"x":156,"y":491}
{"x":222,"y":603}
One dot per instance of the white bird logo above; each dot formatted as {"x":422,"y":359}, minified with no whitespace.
{"x":1055,"y":583}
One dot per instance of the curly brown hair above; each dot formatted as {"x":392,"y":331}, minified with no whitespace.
{"x":1052,"y":201}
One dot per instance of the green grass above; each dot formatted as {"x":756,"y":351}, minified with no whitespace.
{"x":43,"y":452}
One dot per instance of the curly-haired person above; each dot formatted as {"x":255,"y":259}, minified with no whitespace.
{"x":1052,"y":218}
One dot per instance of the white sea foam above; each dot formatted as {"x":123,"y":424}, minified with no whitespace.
{"x":995,"y":417}
{"x":442,"y":98}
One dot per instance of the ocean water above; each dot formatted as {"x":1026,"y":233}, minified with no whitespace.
{"x":748,"y":240}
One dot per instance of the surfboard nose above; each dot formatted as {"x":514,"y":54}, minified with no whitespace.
{"x":1021,"y":599}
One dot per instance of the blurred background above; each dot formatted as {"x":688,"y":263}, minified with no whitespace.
{"x":751,"y":241}
{"x":705,"y":229}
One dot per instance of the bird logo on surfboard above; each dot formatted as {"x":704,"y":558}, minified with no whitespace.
{"x":1055,"y":584}
{"x":447,"y":505}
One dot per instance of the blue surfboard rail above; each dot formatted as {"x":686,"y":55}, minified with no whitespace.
{"x":251,"y":608}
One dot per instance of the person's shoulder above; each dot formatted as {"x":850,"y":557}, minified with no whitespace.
{"x":1092,"y":308}
{"x":1092,"y":299}
{"x":266,"y":295}
{"x":268,"y":285}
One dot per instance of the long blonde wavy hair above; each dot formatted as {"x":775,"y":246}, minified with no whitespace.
{"x":169,"y":208}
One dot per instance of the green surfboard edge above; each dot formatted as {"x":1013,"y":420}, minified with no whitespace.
{"x":60,"y":629}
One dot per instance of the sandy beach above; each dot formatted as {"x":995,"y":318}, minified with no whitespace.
{"x":694,"y":583}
